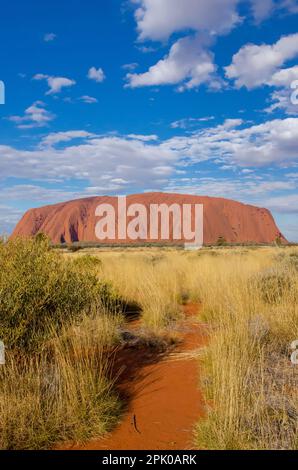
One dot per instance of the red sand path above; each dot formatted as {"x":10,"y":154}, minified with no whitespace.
{"x":164,"y":397}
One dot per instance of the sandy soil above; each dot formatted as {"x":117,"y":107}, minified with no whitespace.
{"x":162,"y":395}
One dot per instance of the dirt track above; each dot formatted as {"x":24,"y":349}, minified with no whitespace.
{"x":162,"y":393}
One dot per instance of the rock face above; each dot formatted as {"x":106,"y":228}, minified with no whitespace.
{"x":75,"y":221}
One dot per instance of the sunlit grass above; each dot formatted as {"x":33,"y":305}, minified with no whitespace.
{"x":59,"y":330}
{"x":250,"y":384}
{"x":60,"y":387}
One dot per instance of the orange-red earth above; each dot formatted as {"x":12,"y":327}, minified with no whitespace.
{"x":163,"y":395}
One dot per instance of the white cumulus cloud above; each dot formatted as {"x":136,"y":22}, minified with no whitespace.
{"x":158,"y":19}
{"x":255,"y":65}
{"x":96,"y":74}
{"x":55,"y":83}
{"x":261,"y":9}
{"x":189,"y":63}
{"x":35,"y":115}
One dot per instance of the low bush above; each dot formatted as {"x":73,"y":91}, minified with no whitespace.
{"x":273,"y":283}
{"x":221,"y":241}
{"x":88,"y":262}
{"x":40,"y":291}
{"x":59,"y":331}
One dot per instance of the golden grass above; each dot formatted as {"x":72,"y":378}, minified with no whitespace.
{"x":150,"y":280}
{"x":249,"y":300}
{"x":251,"y":387}
{"x":65,"y":393}
{"x":58,"y":328}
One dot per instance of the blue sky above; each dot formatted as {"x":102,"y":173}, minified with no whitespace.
{"x":118,"y":97}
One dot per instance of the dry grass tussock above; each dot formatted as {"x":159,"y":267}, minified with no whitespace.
{"x":251,"y":387}
{"x":150,"y":281}
{"x":57,"y":325}
{"x":249,"y":300}
{"x":60,"y":316}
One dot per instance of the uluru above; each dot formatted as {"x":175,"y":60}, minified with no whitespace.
{"x":75,"y":221}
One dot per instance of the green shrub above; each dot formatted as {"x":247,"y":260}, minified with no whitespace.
{"x":221,"y":241}
{"x":88,"y":262}
{"x":40,"y":291}
{"x":41,"y":237}
{"x":278,"y":240}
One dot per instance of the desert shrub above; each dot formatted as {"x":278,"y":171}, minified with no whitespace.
{"x":59,"y":332}
{"x":221,"y":241}
{"x":42,"y":237}
{"x":278,"y":240}
{"x":273,"y":283}
{"x":38,"y":290}
{"x":88,"y":262}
